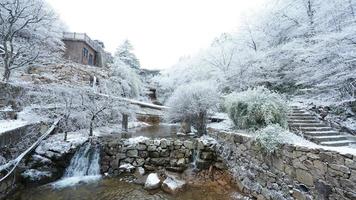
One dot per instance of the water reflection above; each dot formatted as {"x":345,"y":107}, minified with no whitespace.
{"x":156,"y":131}
{"x":114,"y":189}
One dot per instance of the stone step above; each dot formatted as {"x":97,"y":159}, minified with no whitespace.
{"x":321,"y":133}
{"x":300,"y":115}
{"x":317,"y":124}
{"x":303,"y":121}
{"x":326,"y":128}
{"x":301,"y":118}
{"x":328,"y":138}
{"x":298,"y":112}
{"x":338,"y":143}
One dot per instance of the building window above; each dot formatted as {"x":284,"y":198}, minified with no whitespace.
{"x":85,"y":52}
{"x":91,"y":59}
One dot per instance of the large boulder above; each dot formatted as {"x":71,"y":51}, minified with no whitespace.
{"x":172,"y":185}
{"x":152,"y":182}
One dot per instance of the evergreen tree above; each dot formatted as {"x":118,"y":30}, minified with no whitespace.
{"x":124,"y":53}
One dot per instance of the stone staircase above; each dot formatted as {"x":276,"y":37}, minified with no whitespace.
{"x":315,"y":130}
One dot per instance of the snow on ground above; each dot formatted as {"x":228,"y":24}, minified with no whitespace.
{"x":56,"y":142}
{"x":137,"y":124}
{"x":8,"y":125}
{"x":135,"y":140}
{"x":207,"y":140}
{"x":225,"y":125}
{"x":28,"y":115}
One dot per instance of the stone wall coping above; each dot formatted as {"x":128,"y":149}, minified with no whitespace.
{"x":345,"y":151}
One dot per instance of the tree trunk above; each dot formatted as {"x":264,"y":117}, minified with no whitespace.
{"x":91,"y":126}
{"x":186,"y":126}
{"x":125,"y":122}
{"x":7,"y":73}
{"x":201,"y":124}
{"x":65,"y":136}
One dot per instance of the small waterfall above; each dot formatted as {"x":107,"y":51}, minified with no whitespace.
{"x":84,"y":167}
{"x":196,"y":154}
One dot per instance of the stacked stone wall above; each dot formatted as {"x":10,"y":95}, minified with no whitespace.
{"x":293,"y":172}
{"x":152,"y":154}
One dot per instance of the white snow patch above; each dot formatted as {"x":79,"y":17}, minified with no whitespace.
{"x":135,"y":140}
{"x":8,"y":125}
{"x":137,"y":124}
{"x":207,"y":140}
{"x":126,"y":167}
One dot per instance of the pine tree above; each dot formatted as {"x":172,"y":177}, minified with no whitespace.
{"x":124,"y":53}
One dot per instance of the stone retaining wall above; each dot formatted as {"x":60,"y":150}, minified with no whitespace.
{"x":292,"y":173}
{"x":152,"y":154}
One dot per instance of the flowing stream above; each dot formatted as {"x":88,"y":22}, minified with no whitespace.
{"x":84,"y":167}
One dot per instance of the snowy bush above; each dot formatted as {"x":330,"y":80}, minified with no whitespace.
{"x":256,"y":108}
{"x":192,"y":103}
{"x":270,"y":137}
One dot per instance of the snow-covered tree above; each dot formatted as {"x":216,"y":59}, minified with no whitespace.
{"x":192,"y":103}
{"x":29,"y":31}
{"x":291,"y":46}
{"x":125,"y":54}
{"x":124,"y":81}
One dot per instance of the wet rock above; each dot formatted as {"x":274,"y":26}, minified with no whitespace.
{"x":34,"y":175}
{"x":172,"y":185}
{"x":152,"y":182}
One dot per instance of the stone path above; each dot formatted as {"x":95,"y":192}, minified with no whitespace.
{"x":313,"y":129}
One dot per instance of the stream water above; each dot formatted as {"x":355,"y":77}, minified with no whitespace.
{"x":156,"y":131}
{"x":114,"y":189}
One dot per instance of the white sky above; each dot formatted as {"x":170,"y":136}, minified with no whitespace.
{"x":161,"y":31}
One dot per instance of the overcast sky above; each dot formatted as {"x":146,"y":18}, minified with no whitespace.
{"x":161,"y":31}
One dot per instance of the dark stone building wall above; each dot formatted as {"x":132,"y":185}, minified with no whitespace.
{"x":74,"y":52}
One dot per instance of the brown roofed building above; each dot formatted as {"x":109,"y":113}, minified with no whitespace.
{"x":81,"y":49}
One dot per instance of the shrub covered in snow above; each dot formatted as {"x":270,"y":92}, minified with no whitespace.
{"x":192,"y":102}
{"x":257,"y":108}
{"x":270,"y":137}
